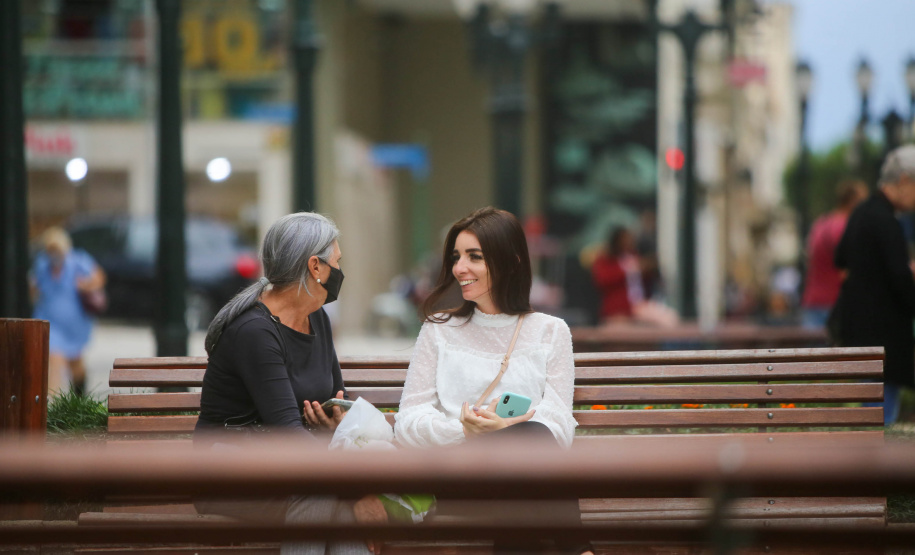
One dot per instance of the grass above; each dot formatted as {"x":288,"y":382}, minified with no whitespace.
{"x":73,"y":413}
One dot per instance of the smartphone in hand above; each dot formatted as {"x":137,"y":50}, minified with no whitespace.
{"x":329,"y":404}
{"x":512,"y":404}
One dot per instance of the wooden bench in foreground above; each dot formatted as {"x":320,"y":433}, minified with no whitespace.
{"x":770,"y":396}
{"x":726,"y":471}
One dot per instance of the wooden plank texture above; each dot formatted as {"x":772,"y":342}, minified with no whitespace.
{"x":155,"y":377}
{"x":673,"y":372}
{"x":702,"y":418}
{"x":729,"y":393}
{"x":151,"y":424}
{"x":754,"y":507}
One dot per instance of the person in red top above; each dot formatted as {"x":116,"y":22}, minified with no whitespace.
{"x":823,"y":280}
{"x":617,"y":274}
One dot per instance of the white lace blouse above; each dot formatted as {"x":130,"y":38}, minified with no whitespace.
{"x":455,"y":361}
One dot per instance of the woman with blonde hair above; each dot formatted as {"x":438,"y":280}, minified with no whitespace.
{"x":59,"y":274}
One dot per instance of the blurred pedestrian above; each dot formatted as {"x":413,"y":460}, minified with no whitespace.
{"x":617,"y":274}
{"x":647,"y":247}
{"x":877,"y":299}
{"x":59,"y":275}
{"x":823,"y":280}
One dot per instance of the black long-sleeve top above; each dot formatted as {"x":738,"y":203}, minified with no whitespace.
{"x":877,"y":300}
{"x":248,"y":375}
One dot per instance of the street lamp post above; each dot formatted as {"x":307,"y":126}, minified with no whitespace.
{"x":14,"y":239}
{"x":500,"y":41}
{"x":804,"y":80}
{"x":306,"y":44}
{"x":910,"y":83}
{"x":688,"y":31}
{"x":892,"y":131}
{"x":171,"y":279}
{"x":864,"y":77}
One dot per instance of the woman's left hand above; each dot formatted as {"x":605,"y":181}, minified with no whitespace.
{"x":317,"y":419}
{"x":477,"y":420}
{"x":370,"y":510}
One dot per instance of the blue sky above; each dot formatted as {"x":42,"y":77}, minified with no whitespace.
{"x":833,"y":35}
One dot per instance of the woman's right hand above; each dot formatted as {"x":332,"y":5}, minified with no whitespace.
{"x":476,"y":420}
{"x":317,"y":419}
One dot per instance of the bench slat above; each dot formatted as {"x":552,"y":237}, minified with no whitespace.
{"x":151,"y":402}
{"x":640,"y":358}
{"x":193,"y":376}
{"x":807,"y":523}
{"x":734,"y":356}
{"x":151,"y":424}
{"x":702,"y":418}
{"x":614,"y":395}
{"x":750,"y":507}
{"x":666,"y":418}
{"x":771,"y":437}
{"x":726,"y":393}
{"x":872,"y":369}
{"x":155,"y":377}
{"x":167,"y":402}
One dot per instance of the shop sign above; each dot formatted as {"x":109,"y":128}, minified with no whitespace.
{"x":82,"y":87}
{"x":52,"y":143}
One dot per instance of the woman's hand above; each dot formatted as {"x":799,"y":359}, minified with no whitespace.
{"x":92,"y":282}
{"x":370,"y":510}
{"x":317,"y":419}
{"x":478,"y":420}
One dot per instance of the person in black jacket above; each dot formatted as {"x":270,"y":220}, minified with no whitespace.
{"x":272,"y":363}
{"x":877,"y":301}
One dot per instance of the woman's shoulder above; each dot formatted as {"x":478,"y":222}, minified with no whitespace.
{"x":547,"y":326}
{"x":547,"y":320}
{"x":252,"y":321}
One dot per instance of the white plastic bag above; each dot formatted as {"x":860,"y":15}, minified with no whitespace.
{"x":363,"y":427}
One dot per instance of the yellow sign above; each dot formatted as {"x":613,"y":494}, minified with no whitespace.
{"x":228,"y":42}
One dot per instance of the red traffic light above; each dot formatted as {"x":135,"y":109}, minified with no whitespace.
{"x":674,"y":158}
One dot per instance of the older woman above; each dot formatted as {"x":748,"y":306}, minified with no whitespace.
{"x":272,"y":362}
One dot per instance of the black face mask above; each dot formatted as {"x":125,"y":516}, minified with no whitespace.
{"x":333,"y":284}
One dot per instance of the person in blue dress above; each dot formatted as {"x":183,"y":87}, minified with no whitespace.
{"x":58,"y":275}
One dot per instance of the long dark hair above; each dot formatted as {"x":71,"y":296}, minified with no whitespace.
{"x":504,"y":248}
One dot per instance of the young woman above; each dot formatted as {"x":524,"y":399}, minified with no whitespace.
{"x":460,"y":350}
{"x":272,"y":362}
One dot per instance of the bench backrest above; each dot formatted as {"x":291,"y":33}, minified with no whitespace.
{"x":739,"y":391}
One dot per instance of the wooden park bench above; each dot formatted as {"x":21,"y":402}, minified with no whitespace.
{"x":769,"y":396}
{"x":725,"y":471}
{"x":623,"y":337}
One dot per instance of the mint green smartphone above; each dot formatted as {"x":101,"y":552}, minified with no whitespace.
{"x":512,"y":404}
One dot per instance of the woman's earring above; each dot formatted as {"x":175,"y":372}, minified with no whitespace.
{"x":319,"y":281}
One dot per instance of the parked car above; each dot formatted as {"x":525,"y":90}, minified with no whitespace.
{"x":219,"y":264}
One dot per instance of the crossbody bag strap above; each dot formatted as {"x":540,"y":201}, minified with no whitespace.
{"x":481,"y":402}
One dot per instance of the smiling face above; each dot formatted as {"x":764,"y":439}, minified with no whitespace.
{"x":470,"y":270}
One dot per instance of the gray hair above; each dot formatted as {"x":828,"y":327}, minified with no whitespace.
{"x":899,"y":162}
{"x":287,"y":247}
